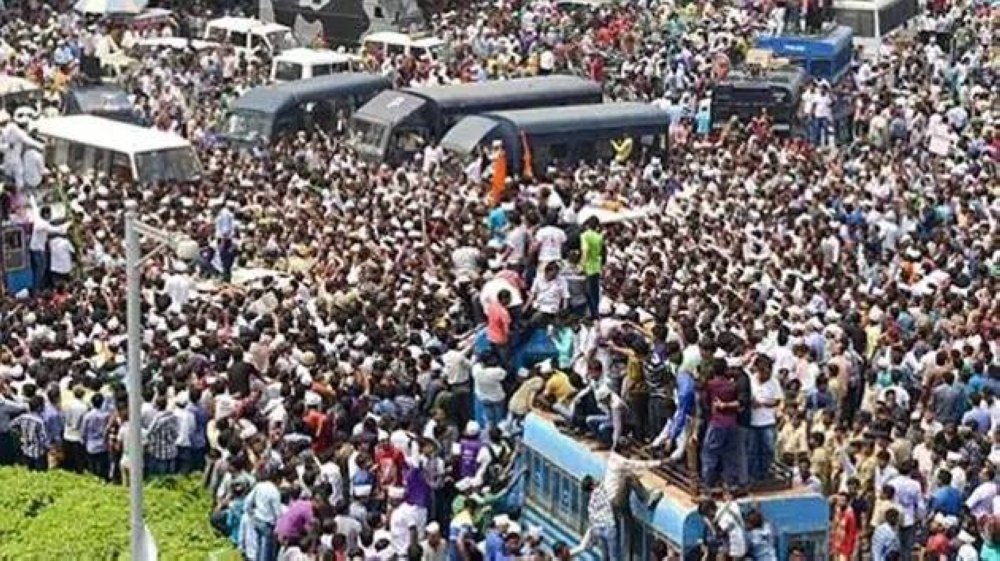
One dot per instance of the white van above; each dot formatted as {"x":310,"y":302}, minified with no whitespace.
{"x":85,"y":143}
{"x":250,"y":36}
{"x":300,"y":64}
{"x":390,"y":43}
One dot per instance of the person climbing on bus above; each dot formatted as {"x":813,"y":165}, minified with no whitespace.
{"x":611,"y":494}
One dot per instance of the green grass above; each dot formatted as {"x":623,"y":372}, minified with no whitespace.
{"x":59,"y":515}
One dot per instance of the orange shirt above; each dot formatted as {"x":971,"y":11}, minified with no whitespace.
{"x":497,"y":323}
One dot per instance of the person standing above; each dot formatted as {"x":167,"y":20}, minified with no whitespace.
{"x":38,"y":245}
{"x":263,"y":508}
{"x":30,"y":428}
{"x":94,"y":428}
{"x":592,"y":262}
{"x":885,"y":539}
{"x":9,"y":408}
{"x":61,"y":252}
{"x":910,"y":498}
{"x":161,"y":447}
{"x":487,"y":378}
{"x":766,"y":400}
{"x":720,"y":438}
{"x":498,"y":326}
{"x":74,"y":453}
{"x":199,"y":433}
{"x":185,"y":428}
{"x":844,"y":529}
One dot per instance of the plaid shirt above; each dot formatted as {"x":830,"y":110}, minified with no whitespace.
{"x":599,"y":509}
{"x":162,"y":439}
{"x":885,"y":540}
{"x":34,"y":437}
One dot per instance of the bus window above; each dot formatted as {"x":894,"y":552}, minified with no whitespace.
{"x":287,"y":71}
{"x":216,"y":35}
{"x":102,"y":161}
{"x":257,"y":43}
{"x":538,"y":481}
{"x":340,"y":67}
{"x":861,"y":21}
{"x":822,"y":68}
{"x":121,"y":167}
{"x":174,"y":164}
{"x":393,"y":50}
{"x":76,"y":156}
{"x":322,"y":70}
{"x":13,"y":250}
{"x":238,"y":39}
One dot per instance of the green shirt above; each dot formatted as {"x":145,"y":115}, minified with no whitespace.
{"x":592,"y":249}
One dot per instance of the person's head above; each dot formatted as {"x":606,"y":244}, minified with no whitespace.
{"x":588,"y":484}
{"x":892,"y":517}
{"x":504,"y":297}
{"x":592,"y":223}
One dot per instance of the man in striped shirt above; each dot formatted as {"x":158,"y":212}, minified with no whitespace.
{"x":601,"y":516}
{"x":34,"y":438}
{"x":885,"y":539}
{"x":161,"y":444}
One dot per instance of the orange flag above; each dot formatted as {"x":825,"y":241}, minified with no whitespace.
{"x":499,"y":177}
{"x":528,"y":171}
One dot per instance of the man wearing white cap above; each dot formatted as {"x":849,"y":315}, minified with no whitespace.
{"x":435,"y":547}
{"x":178,"y":286}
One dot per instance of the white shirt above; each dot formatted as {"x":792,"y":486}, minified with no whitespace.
{"x":761,"y":415}
{"x":488,"y":383}
{"x":40,"y":230}
{"x":178,"y":288}
{"x":617,"y":471}
{"x":456,"y":367}
{"x":185,"y":426}
{"x":34,"y":168}
{"x":73,"y":417}
{"x":980,"y":502}
{"x":550,"y":243}
{"x":549,"y":294}
{"x":61,"y":251}
{"x":730,"y":520}
{"x":400,"y":520}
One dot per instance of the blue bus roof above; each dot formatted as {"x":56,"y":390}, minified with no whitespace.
{"x":277,"y":98}
{"x":812,"y":46}
{"x":676,"y":518}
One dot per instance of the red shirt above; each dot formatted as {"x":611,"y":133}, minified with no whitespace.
{"x":497,"y":323}
{"x":390,"y":463}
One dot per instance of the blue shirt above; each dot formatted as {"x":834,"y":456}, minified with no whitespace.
{"x":53,"y":422}
{"x":497,"y":222}
{"x":704,"y":121}
{"x":199,"y":435}
{"x":980,"y":416}
{"x":760,"y":542}
{"x":494,"y":545}
{"x":686,"y":397}
{"x":885,"y":540}
{"x":947,"y":500}
{"x":95,"y":424}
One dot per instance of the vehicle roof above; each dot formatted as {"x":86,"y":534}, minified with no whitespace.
{"x":544,"y":87}
{"x":315,"y":56}
{"x":555,"y":120}
{"x":271,"y":99}
{"x":244,"y":25}
{"x":797,"y":510}
{"x":16,"y":84}
{"x":387,"y":37}
{"x":790,"y":76}
{"x":826,"y":44}
{"x":109,"y":135}
{"x":152,"y":13}
{"x":176,"y":43}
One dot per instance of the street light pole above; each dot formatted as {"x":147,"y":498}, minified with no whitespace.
{"x":133,"y":258}
{"x":186,"y":249}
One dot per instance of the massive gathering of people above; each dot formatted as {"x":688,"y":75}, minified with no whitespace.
{"x":782,"y":305}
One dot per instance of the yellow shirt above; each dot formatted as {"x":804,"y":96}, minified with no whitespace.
{"x":520,"y":402}
{"x":559,"y":387}
{"x":792,"y":440}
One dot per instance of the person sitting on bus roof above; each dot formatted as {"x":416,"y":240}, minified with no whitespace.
{"x":609,"y":424}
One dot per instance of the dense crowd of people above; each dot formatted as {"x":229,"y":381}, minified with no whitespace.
{"x":779,"y":305}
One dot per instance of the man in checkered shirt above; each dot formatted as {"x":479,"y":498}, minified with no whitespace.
{"x":161,"y":446}
{"x":34,"y":438}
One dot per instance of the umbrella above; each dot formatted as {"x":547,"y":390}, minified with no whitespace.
{"x":110,"y":6}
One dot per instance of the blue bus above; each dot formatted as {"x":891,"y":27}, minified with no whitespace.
{"x":826,"y":56}
{"x":555,"y":502}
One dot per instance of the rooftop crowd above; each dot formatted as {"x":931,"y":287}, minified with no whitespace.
{"x":831,"y":308}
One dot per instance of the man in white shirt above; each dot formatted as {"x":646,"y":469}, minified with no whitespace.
{"x":550,"y":239}
{"x":34,"y":167}
{"x":74,"y":455}
{"x":402,"y":517}
{"x":488,"y":377}
{"x":548,"y":295}
{"x":178,"y":287}
{"x":38,"y":245}
{"x":766,"y":395}
{"x":61,"y":255}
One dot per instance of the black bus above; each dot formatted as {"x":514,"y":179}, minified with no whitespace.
{"x":744,"y":96}
{"x":396,"y":124}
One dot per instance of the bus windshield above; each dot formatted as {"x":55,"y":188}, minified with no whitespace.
{"x":282,"y":40}
{"x":368,"y":134}
{"x":247,"y":125}
{"x":176,"y":164}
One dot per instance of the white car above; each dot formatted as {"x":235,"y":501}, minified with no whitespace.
{"x":299,"y":64}
{"x":391,"y":43}
{"x":250,"y":36}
